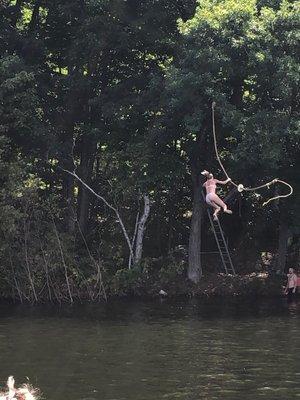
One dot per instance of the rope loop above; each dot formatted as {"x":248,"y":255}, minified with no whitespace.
{"x":240,"y":187}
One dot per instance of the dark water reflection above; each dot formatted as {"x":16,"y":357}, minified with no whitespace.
{"x":157,"y":350}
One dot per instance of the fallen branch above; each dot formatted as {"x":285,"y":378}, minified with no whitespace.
{"x":125,"y":233}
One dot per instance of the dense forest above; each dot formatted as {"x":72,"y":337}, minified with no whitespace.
{"x":105,"y":127}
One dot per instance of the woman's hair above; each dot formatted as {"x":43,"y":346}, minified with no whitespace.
{"x":207,"y":174}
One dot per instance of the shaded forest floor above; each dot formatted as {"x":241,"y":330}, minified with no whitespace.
{"x":174,"y":283}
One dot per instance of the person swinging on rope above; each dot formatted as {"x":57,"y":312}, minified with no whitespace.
{"x":212,"y":199}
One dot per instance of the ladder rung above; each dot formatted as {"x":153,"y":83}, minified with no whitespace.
{"x":220,"y":234}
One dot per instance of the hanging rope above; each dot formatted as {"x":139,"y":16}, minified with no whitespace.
{"x":240,"y":187}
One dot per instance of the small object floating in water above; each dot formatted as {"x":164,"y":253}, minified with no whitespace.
{"x":161,"y":293}
{"x":25,"y":392}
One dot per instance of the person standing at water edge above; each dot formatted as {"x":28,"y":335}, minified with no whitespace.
{"x":212,"y":199}
{"x":292,"y":281}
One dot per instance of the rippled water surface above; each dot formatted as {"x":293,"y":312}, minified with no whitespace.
{"x":157,"y":350}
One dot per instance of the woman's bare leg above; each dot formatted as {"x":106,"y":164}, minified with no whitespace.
{"x":217,"y":210}
{"x":221,"y":203}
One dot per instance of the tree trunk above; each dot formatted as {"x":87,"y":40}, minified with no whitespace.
{"x":141,"y":231}
{"x":17,"y":12}
{"x":33,"y":24}
{"x":85,"y":172}
{"x":196,"y":162}
{"x":69,"y":184}
{"x":194,"y":267}
{"x":284,"y":234}
{"x":70,"y":197}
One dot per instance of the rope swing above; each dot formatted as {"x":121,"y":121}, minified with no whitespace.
{"x":240,"y":187}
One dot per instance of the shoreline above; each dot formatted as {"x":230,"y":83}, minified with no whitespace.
{"x":211,"y":287}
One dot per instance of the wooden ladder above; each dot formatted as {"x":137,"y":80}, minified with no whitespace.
{"x":221,"y":243}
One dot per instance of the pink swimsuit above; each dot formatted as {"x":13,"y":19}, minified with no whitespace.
{"x":210,"y":187}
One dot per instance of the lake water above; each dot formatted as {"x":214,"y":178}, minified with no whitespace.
{"x":155,"y":350}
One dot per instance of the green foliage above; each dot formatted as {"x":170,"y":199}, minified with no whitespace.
{"x":122,"y":91}
{"x":127,"y":282}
